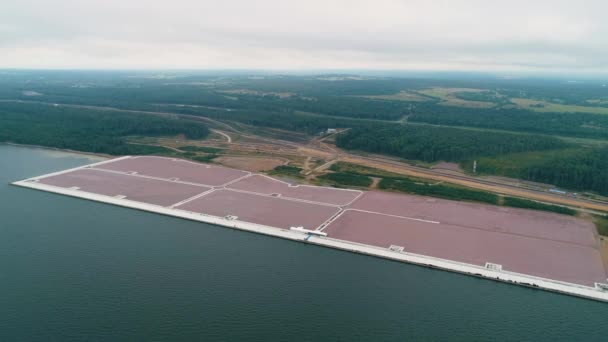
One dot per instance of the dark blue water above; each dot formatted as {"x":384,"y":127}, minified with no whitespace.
{"x":72,"y":269}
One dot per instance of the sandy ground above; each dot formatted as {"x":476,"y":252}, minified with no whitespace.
{"x":250,"y":163}
{"x":61,"y":152}
{"x":447,"y":166}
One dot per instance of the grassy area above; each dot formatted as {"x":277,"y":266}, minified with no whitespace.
{"x":482,"y":96}
{"x":601,"y":223}
{"x":527,"y":204}
{"x":397,"y":182}
{"x":453,"y":192}
{"x":257,"y":93}
{"x":544,"y":106}
{"x":511,"y":165}
{"x":447,"y":96}
{"x":286,"y":170}
{"x":200,"y":149}
{"x":403,"y":95}
{"x":345,"y":167}
{"x":204,"y":159}
{"x":418,"y":186}
{"x":348,"y":179}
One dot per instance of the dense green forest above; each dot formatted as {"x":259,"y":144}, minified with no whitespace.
{"x":579,"y":168}
{"x":431,"y":144}
{"x":587,"y":169}
{"x":279,"y":101}
{"x":567,"y":124}
{"x":149,"y":97}
{"x":88,"y":130}
{"x":307,"y":123}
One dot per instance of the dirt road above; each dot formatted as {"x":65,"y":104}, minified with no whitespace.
{"x":222,"y":134}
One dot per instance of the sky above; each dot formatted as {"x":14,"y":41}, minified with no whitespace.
{"x":456,"y":35}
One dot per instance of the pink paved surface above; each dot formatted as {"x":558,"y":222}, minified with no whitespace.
{"x":545,"y":258}
{"x":135,"y":188}
{"x":168,"y":168}
{"x":263,"y":210}
{"x":530,"y":242}
{"x":516,"y":221}
{"x":267,"y":185}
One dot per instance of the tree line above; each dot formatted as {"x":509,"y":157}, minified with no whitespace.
{"x":88,"y":130}
{"x":587,"y":170}
{"x":569,"y":124}
{"x":430,"y":144}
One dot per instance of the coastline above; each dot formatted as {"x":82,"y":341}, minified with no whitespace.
{"x":100,"y":156}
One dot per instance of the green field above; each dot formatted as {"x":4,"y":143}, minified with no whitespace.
{"x":200,"y":149}
{"x":601,"y":223}
{"x":403,"y":95}
{"x":287,"y":171}
{"x":345,"y":167}
{"x":347,"y":179}
{"x":449,"y":97}
{"x":527,"y":204}
{"x":544,"y":106}
{"x":511,"y":165}
{"x":446,"y":191}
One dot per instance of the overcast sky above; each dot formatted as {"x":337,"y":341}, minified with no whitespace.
{"x":485,"y":35}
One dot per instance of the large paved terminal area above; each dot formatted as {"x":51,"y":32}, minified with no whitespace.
{"x":529,"y":242}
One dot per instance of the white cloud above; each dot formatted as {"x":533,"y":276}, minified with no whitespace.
{"x":540,"y":35}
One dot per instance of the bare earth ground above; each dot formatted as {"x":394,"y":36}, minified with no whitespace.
{"x":251,"y":163}
{"x":447,"y":166}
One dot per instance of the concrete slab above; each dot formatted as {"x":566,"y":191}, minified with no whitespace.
{"x":146,"y":190}
{"x":486,"y":217}
{"x":265,"y":210}
{"x":266,"y":185}
{"x":563,"y":261}
{"x":170,"y":168}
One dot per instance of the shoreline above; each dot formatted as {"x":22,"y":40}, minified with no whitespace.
{"x":66,"y":150}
